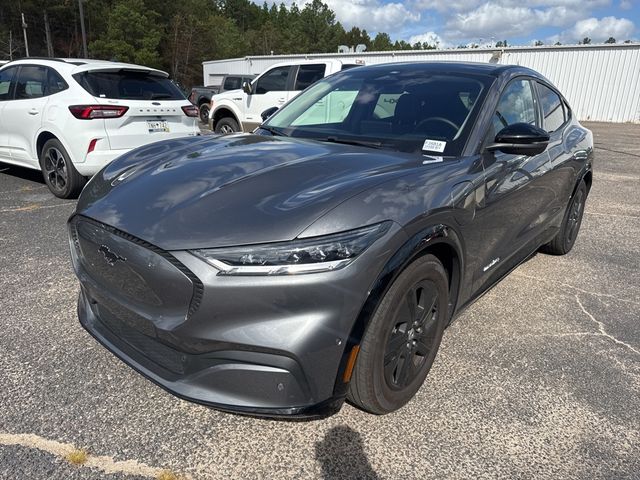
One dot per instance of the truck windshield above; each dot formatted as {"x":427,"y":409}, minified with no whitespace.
{"x":401,"y":109}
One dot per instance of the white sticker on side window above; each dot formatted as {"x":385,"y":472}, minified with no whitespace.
{"x":434,"y":145}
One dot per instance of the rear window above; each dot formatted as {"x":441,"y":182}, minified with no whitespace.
{"x":232,"y":83}
{"x":128,"y":85}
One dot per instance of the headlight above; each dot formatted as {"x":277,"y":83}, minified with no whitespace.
{"x":317,"y":254}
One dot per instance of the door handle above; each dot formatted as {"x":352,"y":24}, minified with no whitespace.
{"x":281,"y":100}
{"x":34,"y":111}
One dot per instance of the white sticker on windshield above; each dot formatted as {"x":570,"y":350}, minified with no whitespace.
{"x":434,"y":145}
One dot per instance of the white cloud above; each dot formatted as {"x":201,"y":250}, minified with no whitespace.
{"x":598,"y":30}
{"x":626,"y":4}
{"x":457,"y":6}
{"x":372,"y":15}
{"x":492,"y":19}
{"x":432,"y":38}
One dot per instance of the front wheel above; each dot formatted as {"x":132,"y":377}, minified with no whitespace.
{"x":227,"y":125}
{"x":60,"y":175}
{"x":403,"y":338}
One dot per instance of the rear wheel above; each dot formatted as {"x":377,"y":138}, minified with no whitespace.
{"x":226,"y":126}
{"x":402,"y":340}
{"x":60,"y":175}
{"x":564,"y":240}
{"x":204,"y":112}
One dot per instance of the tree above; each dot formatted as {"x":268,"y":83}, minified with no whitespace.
{"x":382,"y":42}
{"x":502,"y":44}
{"x":610,"y":40}
{"x":132,"y":35}
{"x":539,"y":43}
{"x":585,"y":41}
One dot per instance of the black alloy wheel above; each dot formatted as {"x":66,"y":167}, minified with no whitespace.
{"x":414,"y":335}
{"x":566,"y":237}
{"x":58,"y":171}
{"x":403,"y":337}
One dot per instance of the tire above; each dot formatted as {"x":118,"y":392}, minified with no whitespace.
{"x":204,"y":113}
{"x":396,"y":354}
{"x":227,"y":125}
{"x":58,"y":171}
{"x":564,"y":240}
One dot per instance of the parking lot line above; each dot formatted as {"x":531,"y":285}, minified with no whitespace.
{"x":100,"y":462}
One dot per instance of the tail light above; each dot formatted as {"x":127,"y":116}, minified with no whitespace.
{"x":190,"y":110}
{"x":89,"y":112}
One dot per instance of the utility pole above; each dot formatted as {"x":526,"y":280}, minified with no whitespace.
{"x":10,"y":45}
{"x":47,"y":33}
{"x":84,"y":34}
{"x":24,"y":30}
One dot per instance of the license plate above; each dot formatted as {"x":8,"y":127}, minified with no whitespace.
{"x":157,"y":126}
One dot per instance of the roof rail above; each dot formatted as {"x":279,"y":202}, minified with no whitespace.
{"x":52,"y":59}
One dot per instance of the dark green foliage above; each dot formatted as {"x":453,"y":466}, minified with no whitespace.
{"x":178,"y":35}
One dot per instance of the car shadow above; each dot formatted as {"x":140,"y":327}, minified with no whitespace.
{"x":21,"y":172}
{"x":341,"y":455}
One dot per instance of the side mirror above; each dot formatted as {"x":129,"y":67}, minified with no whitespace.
{"x":268,"y":112}
{"x":246,"y":88}
{"x":521,"y":139}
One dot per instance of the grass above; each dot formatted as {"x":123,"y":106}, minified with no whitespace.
{"x":167,"y":475}
{"x":77,"y":456}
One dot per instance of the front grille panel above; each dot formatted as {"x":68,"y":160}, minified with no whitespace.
{"x":117,"y":274}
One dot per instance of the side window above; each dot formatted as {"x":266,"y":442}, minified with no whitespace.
{"x":7,"y":77}
{"x":552,"y":109}
{"x":55,"y":83}
{"x":31,"y":83}
{"x":516,"y":105}
{"x":308,"y":74}
{"x":232,"y":83}
{"x":274,"y":80}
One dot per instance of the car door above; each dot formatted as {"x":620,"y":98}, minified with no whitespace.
{"x":7,"y":77}
{"x":270,"y":90}
{"x":555,"y":115}
{"x":24,"y":114}
{"x":515,"y":207}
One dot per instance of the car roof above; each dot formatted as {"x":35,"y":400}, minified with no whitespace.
{"x":491,"y":69}
{"x":77,"y":65}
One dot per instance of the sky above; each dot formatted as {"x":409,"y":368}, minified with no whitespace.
{"x":455,"y":22}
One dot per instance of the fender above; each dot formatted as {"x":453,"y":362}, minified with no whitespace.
{"x":427,"y":238}
{"x":225,"y":104}
{"x":53,"y":130}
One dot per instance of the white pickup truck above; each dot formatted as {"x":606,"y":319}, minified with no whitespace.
{"x":240,"y":110}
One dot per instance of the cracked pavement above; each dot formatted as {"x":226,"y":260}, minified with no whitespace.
{"x":539,"y":378}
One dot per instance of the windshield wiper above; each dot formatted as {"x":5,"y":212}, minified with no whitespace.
{"x":273,"y":131}
{"x":347,"y":141}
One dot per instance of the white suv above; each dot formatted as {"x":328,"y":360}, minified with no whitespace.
{"x":241,"y":110}
{"x":70,"y":118}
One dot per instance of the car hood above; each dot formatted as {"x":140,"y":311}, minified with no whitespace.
{"x":239,"y":189}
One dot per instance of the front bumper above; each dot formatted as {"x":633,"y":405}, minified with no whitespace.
{"x":270,"y":346}
{"x":207,"y":387}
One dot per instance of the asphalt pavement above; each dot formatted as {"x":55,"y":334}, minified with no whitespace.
{"x":538,"y":379}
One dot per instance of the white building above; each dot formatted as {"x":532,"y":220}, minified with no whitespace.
{"x":601,"y":82}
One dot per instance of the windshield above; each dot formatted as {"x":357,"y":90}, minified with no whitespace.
{"x":411,"y":110}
